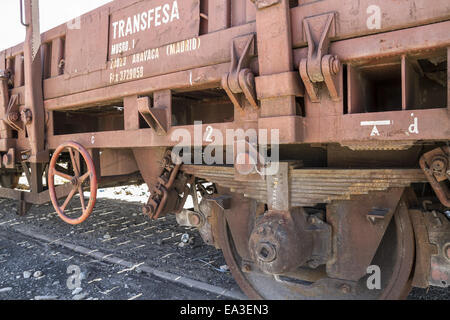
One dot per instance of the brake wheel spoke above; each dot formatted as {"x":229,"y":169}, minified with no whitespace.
{"x":84,"y":177}
{"x":69,"y":197}
{"x":74,"y":162}
{"x":63,"y":175}
{"x":80,"y":191}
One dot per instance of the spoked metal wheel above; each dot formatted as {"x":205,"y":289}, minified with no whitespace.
{"x":80,"y":174}
{"x":394,"y":256}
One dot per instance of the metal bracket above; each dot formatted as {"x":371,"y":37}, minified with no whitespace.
{"x":436,"y":166}
{"x":5,"y":75}
{"x":223,"y":201}
{"x":23,"y":206}
{"x":320,"y":66}
{"x":240,"y":79}
{"x":158,"y":117}
{"x":434,"y":249}
{"x":278,"y":197}
{"x":160,"y":193}
{"x":439,"y":235}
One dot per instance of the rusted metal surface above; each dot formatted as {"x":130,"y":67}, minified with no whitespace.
{"x":309,"y":187}
{"x":159,"y":116}
{"x":162,"y":192}
{"x":319,"y":66}
{"x":433,"y":249}
{"x":307,"y":284}
{"x":439,"y":235}
{"x":283,"y":241}
{"x":33,"y":115}
{"x":366,"y":82}
{"x":354,"y":16}
{"x":359,"y":244}
{"x":240,"y":79}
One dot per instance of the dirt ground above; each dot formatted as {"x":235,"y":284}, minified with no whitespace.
{"x":115,"y":227}
{"x":34,"y":269}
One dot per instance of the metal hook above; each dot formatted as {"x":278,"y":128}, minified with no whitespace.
{"x":21,"y":14}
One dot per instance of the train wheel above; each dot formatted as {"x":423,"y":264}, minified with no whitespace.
{"x":394,"y":256}
{"x":84,"y":176}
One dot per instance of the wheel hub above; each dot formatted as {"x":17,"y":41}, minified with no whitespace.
{"x":74,"y":181}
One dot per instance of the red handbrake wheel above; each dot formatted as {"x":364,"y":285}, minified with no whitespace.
{"x":78,"y":181}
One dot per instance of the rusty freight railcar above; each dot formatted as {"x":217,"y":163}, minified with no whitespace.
{"x":312,"y":136}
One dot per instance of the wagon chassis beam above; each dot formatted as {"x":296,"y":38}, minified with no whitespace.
{"x":301,"y":134}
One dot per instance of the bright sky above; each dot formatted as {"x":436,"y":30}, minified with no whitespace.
{"x":52,"y":12}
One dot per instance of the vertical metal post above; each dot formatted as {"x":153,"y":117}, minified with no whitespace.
{"x":57,"y":56}
{"x":275,"y":52}
{"x":131,"y":113}
{"x":37,"y":169}
{"x":18,"y":71}
{"x":34,"y":102}
{"x":5,"y":130}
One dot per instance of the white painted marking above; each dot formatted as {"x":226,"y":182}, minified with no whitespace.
{"x":414,"y":127}
{"x":209,"y":132}
{"x":376,"y":123}
{"x":374,"y":20}
{"x":375,"y":132}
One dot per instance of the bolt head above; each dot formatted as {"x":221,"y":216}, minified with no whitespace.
{"x":266,"y":252}
{"x":335,"y":65}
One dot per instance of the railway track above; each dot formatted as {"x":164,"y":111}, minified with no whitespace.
{"x":146,"y":251}
{"x":146,"y":263}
